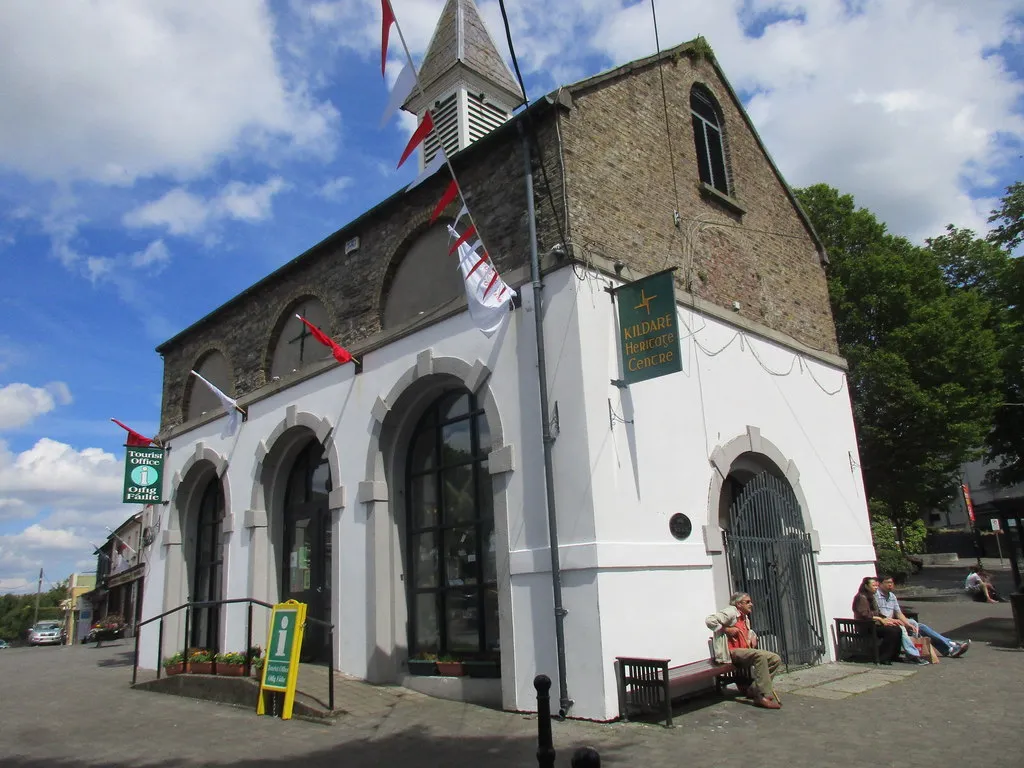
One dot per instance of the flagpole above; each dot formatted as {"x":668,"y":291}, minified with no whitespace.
{"x":565,"y":703}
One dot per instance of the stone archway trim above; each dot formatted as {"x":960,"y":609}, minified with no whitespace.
{"x":722,"y":458}
{"x":202,"y":452}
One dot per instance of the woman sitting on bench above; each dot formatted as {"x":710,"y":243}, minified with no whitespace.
{"x":886,"y":630}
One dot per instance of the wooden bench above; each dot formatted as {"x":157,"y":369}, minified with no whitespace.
{"x":856,"y":640}
{"x":650,"y":685}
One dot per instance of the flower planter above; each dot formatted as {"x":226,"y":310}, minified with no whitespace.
{"x":424,"y":667}
{"x":174,"y":669}
{"x":450,"y":669}
{"x":200,"y":667}
{"x":487,"y":669}
{"x":231,"y":670}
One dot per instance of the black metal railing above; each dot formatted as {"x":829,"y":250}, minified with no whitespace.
{"x":582,"y":757}
{"x":250,"y":602}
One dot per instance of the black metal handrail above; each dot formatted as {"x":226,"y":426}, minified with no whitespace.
{"x":250,"y":601}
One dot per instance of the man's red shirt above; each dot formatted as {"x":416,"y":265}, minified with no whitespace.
{"x":742,"y":640}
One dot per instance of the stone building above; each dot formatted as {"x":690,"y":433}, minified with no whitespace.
{"x":404,"y":499}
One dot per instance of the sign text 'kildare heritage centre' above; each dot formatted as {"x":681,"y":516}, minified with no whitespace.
{"x":143,"y":470}
{"x":648,"y":328}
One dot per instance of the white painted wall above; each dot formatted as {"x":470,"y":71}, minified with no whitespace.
{"x":628,"y":586}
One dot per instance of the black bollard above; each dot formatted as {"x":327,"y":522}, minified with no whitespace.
{"x":545,"y":745}
{"x":586,"y":757}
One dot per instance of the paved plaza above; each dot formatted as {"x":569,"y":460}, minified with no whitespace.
{"x":73,"y":707}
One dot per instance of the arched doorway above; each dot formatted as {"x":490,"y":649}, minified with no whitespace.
{"x":450,"y":544}
{"x":306,"y":571}
{"x":208,"y":566}
{"x":770,"y":555}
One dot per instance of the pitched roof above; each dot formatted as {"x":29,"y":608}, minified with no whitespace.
{"x":462,"y":36}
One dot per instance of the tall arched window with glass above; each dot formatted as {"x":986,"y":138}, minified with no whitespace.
{"x":209,"y":566}
{"x":452,"y":585}
{"x":708,"y":139}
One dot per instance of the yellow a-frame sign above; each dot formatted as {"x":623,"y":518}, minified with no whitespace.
{"x":281,"y":669}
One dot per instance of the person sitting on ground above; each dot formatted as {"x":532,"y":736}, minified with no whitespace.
{"x":979,"y":586}
{"x":887,"y":631}
{"x":735,"y":641}
{"x":889,"y":607}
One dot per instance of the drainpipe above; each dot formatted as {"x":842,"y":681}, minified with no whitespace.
{"x":565,"y":703}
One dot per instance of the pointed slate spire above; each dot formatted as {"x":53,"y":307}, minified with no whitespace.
{"x":467,"y":85}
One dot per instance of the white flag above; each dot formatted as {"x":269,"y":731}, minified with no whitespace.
{"x":229,"y":404}
{"x":486,"y":293}
{"x":403,"y":87}
{"x":432,"y":167}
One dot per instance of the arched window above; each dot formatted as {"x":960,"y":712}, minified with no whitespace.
{"x":708,"y":139}
{"x":214,"y":368}
{"x":209,"y":566}
{"x":426,"y":278}
{"x":452,"y":582}
{"x":295,"y":347}
{"x":307,"y":545}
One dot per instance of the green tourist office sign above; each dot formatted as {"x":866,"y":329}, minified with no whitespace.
{"x":143,"y":475}
{"x":648,"y":328}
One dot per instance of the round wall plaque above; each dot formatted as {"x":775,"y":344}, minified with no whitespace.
{"x":680,"y":526}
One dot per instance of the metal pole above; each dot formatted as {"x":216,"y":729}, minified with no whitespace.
{"x":545,"y":744}
{"x":330,"y":669}
{"x":565,"y":702}
{"x":135,"y":661}
{"x":248,"y":641}
{"x":39,"y":591}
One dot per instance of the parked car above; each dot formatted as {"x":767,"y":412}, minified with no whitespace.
{"x":46,"y":633}
{"x":3,"y":644}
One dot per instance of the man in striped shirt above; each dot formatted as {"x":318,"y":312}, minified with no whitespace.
{"x":889,"y":607}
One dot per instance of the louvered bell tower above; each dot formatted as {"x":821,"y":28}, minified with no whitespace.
{"x":466,"y":84}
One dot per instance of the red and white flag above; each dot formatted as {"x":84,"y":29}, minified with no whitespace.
{"x":341,"y":354}
{"x":229,"y":404}
{"x":134,"y":438}
{"x":486,"y":293}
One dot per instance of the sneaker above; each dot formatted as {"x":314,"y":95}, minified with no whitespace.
{"x":917,"y":660}
{"x":960,"y":649}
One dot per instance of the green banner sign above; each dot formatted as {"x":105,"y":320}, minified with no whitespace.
{"x":279,"y":652}
{"x":648,"y":328}
{"x":143,"y":475}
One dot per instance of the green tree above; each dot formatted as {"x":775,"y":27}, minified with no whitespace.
{"x":1009,"y":218}
{"x":986,"y":267}
{"x":924,"y":363}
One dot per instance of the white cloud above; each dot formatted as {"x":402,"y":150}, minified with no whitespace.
{"x":14,"y":508}
{"x":14,"y":585}
{"x":52,"y":472}
{"x":153,"y":255}
{"x":118,"y":90}
{"x":335,"y":188}
{"x":183,"y":213}
{"x":21,"y":403}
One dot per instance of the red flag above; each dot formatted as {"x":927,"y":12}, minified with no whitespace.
{"x":483,"y":260}
{"x":134,"y":438}
{"x":490,"y":285}
{"x":385,"y":31}
{"x":420,"y":134}
{"x":463,"y":238}
{"x":341,"y":354}
{"x":449,"y":194}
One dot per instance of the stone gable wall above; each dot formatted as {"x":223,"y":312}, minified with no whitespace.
{"x":351,"y":287}
{"x":620,"y":183}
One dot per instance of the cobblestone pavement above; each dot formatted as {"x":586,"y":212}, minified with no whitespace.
{"x":72,"y":707}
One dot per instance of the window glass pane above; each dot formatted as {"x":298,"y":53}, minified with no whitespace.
{"x":459,"y":498}
{"x":485,"y":494}
{"x":422,"y":455}
{"x":455,"y":445}
{"x":297,"y":483}
{"x":427,"y":636}
{"x":700,"y":144}
{"x":484,"y":436}
{"x":454,"y":405}
{"x":492,"y":637}
{"x":460,"y":557}
{"x":702,"y":105}
{"x":320,"y":484}
{"x":425,"y":559}
{"x":717,"y":160}
{"x":423,"y":501}
{"x":488,"y":546}
{"x":463,"y":620}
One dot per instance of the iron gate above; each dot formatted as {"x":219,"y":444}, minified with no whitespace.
{"x":770,"y":557}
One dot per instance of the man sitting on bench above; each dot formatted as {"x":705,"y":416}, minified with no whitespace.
{"x":889,"y":607}
{"x":735,"y":641}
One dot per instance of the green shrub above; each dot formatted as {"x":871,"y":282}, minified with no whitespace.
{"x":894,"y":563}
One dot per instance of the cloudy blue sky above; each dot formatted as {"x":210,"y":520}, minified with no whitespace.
{"x":158,"y":156}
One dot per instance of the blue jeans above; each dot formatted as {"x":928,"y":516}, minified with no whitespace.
{"x":942,"y":644}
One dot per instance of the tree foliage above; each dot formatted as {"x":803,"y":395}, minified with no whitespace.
{"x":17,"y":611}
{"x":924,"y":363}
{"x":1009,"y":218}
